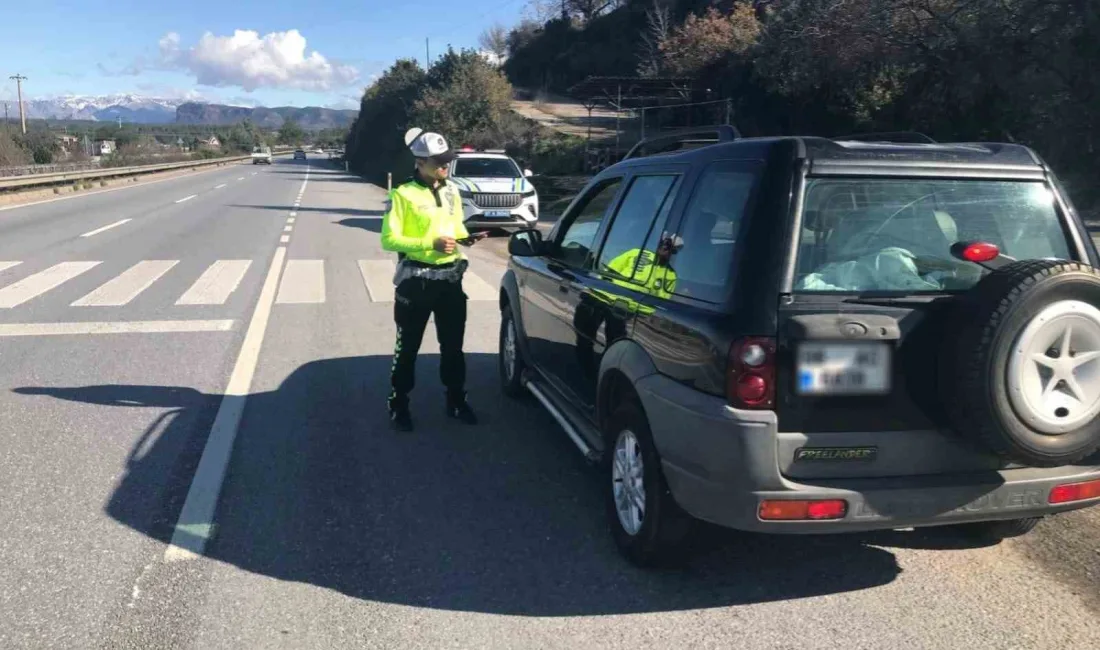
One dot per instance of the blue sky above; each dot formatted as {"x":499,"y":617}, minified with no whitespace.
{"x":190,"y":48}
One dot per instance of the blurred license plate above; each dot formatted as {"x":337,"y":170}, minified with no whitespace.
{"x":497,"y":213}
{"x":843,"y":369}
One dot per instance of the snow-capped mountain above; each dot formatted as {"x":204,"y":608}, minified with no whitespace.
{"x":131,"y":108}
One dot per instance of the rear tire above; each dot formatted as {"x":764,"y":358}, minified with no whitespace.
{"x":510,"y":360}
{"x":996,"y":531}
{"x":649,"y":535}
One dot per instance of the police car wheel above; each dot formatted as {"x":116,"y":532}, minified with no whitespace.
{"x":511,"y":362}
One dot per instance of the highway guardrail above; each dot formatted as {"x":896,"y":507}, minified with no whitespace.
{"x":108,"y":172}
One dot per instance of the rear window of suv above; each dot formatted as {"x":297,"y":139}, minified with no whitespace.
{"x":866,"y":235}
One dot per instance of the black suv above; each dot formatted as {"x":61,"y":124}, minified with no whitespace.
{"x":804,"y":335}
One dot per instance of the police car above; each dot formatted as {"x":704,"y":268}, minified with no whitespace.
{"x":495,"y":191}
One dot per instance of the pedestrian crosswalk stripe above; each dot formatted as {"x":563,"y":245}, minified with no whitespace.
{"x":216,"y":283}
{"x":7,"y":265}
{"x":378,"y":277}
{"x":303,"y":282}
{"x":35,"y":285}
{"x":127,"y":285}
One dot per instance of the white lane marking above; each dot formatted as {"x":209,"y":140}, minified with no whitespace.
{"x":127,"y":186}
{"x":107,"y":227}
{"x":196,"y":522}
{"x":20,"y":292}
{"x":218,"y":187}
{"x":290,"y":220}
{"x":253,"y":173}
{"x":303,"y":283}
{"x":288,"y":228}
{"x":378,"y":277}
{"x":187,"y":198}
{"x":216,"y":283}
{"x":241,"y":178}
{"x":478,"y":289}
{"x":293,"y":214}
{"x":7,"y":265}
{"x":114,"y":327}
{"x":127,"y":285}
{"x":285,"y":239}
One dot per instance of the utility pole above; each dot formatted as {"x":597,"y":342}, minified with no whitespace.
{"x":19,"y":79}
{"x":5,"y":117}
{"x":427,"y":55}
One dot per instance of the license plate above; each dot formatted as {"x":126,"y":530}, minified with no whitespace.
{"x":843,"y":369}
{"x":497,"y":213}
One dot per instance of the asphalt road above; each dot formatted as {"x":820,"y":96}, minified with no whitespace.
{"x":195,"y":454}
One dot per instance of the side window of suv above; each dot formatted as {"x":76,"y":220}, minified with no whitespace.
{"x":629,"y":249}
{"x":580,"y":235}
{"x":705,"y":245}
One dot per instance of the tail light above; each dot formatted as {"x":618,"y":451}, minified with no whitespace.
{"x":790,"y":510}
{"x":1075,"y":492}
{"x":750,"y":373}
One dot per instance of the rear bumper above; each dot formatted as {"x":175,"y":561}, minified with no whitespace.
{"x":721,"y":463}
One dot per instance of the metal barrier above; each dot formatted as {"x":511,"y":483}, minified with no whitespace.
{"x":108,"y":172}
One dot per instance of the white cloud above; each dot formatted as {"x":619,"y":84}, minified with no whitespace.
{"x":251,"y":61}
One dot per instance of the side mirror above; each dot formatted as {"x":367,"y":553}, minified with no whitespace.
{"x":525,"y":243}
{"x":528,"y":173}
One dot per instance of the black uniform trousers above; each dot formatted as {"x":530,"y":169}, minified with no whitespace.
{"x":415,"y":300}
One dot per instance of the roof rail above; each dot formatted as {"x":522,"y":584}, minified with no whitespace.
{"x":668,"y":142}
{"x":900,"y":137}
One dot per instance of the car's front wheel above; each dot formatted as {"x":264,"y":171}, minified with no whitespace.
{"x":511,"y":363}
{"x":646,"y":523}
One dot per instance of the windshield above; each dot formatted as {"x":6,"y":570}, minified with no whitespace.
{"x":486,"y":168}
{"x":863,"y":235}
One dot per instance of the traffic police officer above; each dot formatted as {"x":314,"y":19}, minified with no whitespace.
{"x":424,"y":226}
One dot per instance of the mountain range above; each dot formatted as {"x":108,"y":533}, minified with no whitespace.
{"x":310,"y":117}
{"x":154,"y":110}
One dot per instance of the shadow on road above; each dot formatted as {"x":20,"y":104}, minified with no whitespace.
{"x":372,"y":224}
{"x":501,"y":518}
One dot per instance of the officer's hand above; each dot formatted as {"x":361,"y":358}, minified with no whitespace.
{"x":444,"y":244}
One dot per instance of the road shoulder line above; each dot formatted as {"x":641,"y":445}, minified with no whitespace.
{"x":196,"y":522}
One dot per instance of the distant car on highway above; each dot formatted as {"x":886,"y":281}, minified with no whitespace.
{"x":495,"y":191}
{"x":299,"y":154}
{"x":261,"y":155}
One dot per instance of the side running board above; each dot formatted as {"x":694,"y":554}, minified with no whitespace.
{"x":563,"y":421}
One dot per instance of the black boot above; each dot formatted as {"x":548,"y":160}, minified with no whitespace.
{"x":459,"y":408}
{"x":400,"y":418}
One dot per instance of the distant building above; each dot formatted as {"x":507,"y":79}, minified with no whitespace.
{"x":105,"y":147}
{"x":211,"y":142}
{"x":67,"y":140}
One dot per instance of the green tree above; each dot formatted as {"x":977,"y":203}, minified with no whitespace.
{"x":291,"y":133}
{"x":469,"y":99}
{"x":374,"y":144}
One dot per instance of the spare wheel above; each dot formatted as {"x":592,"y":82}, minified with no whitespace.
{"x":1021,"y":363}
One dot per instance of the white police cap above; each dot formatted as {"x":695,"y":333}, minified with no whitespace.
{"x":428,"y":145}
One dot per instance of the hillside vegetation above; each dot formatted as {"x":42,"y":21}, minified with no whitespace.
{"x":1004,"y":70}
{"x":462,"y":96}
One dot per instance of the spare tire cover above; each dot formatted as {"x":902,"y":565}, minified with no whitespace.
{"x":1020,"y":369}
